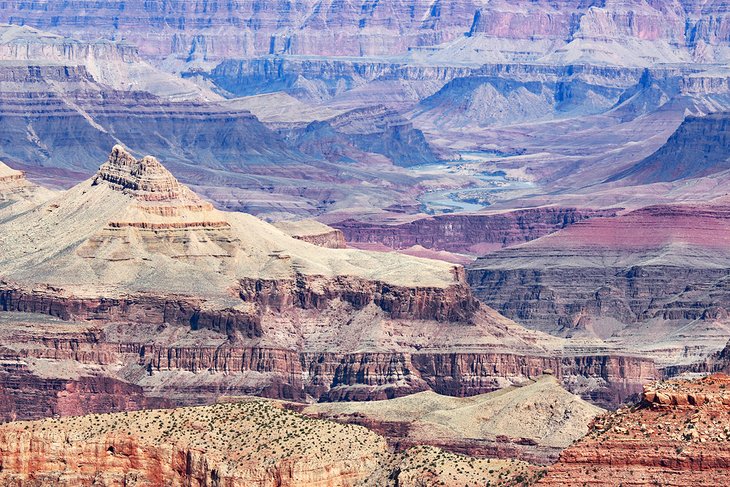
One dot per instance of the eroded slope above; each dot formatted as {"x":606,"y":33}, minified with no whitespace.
{"x":534,"y":421}
{"x":245,"y":443}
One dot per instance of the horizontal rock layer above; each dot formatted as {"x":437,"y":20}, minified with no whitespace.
{"x":618,"y":278}
{"x":451,"y":304}
{"x":467,"y":233}
{"x":676,"y":436}
{"x":152,"y":310}
{"x":114,"y":369}
{"x":678,"y":29}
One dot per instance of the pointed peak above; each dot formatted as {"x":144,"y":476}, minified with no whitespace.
{"x":145,"y":178}
{"x":120,"y":155}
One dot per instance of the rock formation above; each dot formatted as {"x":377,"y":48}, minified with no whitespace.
{"x":632,"y":32}
{"x":677,"y":436}
{"x":373,"y":130}
{"x":652,"y":278}
{"x":698,"y":148}
{"x":17,"y":194}
{"x":188,"y":303}
{"x":60,"y":122}
{"x":468,"y":233}
{"x":718,"y":362}
{"x":117,"y":65}
{"x":236,"y":443}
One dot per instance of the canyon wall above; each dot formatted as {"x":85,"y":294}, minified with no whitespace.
{"x":550,"y":300}
{"x":656,"y":31}
{"x":604,"y":272}
{"x":175,"y":447}
{"x":653,"y":280}
{"x":60,"y":368}
{"x":471,"y":233}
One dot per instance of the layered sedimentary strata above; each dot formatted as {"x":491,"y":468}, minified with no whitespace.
{"x":375,"y":132}
{"x":653,"y":277}
{"x":47,"y":388}
{"x":114,"y":64}
{"x":44,"y":126}
{"x":677,"y":436}
{"x":248,"y":443}
{"x":60,"y":122}
{"x":472,"y":233}
{"x":119,"y":366}
{"x":718,"y":362}
{"x":678,"y":30}
{"x":139,"y":196}
{"x":191,"y":303}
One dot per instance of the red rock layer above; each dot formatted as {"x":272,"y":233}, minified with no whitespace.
{"x":219,"y":370}
{"x":664,"y":262}
{"x":451,"y":304}
{"x":26,"y":395}
{"x":42,"y":462}
{"x":468,"y":233}
{"x":677,"y":436}
{"x":150,"y":309}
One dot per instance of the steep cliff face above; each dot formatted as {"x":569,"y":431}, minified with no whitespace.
{"x":471,"y":233}
{"x":50,"y":366}
{"x":674,"y":437}
{"x":566,"y":30}
{"x":656,"y":267}
{"x":27,"y":393}
{"x":201,"y":30}
{"x":114,"y":64}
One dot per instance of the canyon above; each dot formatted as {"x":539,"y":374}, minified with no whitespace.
{"x":239,"y":307}
{"x":389,"y":243}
